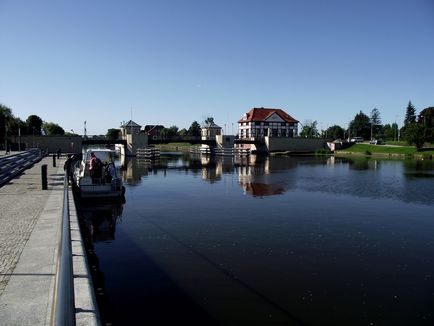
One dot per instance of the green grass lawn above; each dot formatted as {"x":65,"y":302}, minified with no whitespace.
{"x":369,"y":149}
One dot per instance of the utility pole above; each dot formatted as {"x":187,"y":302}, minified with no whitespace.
{"x":6,"y":138}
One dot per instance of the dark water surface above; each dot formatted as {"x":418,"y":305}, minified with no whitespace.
{"x":264,"y":241}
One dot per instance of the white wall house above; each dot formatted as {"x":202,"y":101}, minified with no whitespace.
{"x":265,"y":122}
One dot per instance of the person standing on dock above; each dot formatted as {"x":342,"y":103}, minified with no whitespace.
{"x":69,"y":163}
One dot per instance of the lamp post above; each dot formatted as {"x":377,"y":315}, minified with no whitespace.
{"x":6,"y":138}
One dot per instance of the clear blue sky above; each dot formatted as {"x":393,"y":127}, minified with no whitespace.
{"x":172,"y":62}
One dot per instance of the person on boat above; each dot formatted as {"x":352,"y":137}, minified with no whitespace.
{"x":110,"y":172}
{"x":95,"y":166}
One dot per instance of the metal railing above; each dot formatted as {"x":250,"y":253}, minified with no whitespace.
{"x":63,"y":312}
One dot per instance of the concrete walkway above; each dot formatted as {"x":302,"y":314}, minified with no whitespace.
{"x":29,"y":232}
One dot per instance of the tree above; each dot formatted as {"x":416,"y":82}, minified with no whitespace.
{"x":426,"y":119}
{"x":52,"y":128}
{"x":410,"y":117}
{"x":183,"y":132}
{"x":209,"y":120}
{"x":113,"y":133}
{"x":335,"y":132}
{"x":410,"y":114}
{"x":34,"y":124}
{"x":5,"y":121}
{"x":5,"y":113}
{"x":173,"y":131}
{"x":389,"y":131}
{"x":194,"y":129}
{"x":169,"y":132}
{"x":376,"y":127}
{"x":309,"y":129}
{"x":415,"y":135}
{"x":360,"y":126}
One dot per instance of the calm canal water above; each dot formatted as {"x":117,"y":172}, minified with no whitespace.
{"x":269,"y":240}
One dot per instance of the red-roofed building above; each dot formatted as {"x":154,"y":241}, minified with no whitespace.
{"x":262,"y":122}
{"x":153,"y":130}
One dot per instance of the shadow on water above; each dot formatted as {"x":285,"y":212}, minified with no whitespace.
{"x":138,"y":292}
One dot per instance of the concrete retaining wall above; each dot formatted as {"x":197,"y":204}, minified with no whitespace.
{"x":276,"y":144}
{"x":67,"y":144}
{"x":134,"y":142}
{"x":86,"y":307}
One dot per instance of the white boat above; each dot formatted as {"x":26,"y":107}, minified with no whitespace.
{"x":107,"y":184}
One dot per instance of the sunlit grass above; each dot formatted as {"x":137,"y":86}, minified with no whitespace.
{"x":385,"y":149}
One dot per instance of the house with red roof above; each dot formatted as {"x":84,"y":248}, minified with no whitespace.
{"x":153,"y":130}
{"x":259,"y":123}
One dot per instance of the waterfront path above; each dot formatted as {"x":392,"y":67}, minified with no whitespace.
{"x":29,"y":232}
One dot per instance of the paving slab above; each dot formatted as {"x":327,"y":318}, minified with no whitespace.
{"x":29,"y":232}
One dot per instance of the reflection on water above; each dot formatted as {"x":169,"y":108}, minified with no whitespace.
{"x":100,"y":219}
{"x":266,"y":176}
{"x":272,"y":240}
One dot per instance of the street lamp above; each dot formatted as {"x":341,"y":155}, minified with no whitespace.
{"x":397,"y":129}
{"x":6,"y":138}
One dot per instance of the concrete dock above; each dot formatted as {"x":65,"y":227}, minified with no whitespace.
{"x":29,"y":237}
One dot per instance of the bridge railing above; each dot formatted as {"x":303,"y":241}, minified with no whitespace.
{"x":63,"y":312}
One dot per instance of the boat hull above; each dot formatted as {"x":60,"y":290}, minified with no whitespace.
{"x":89,"y":189}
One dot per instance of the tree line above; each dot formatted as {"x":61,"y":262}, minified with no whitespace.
{"x":33,"y":125}
{"x":417,"y":129}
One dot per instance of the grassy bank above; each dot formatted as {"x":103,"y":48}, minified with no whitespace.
{"x":386,"y":151}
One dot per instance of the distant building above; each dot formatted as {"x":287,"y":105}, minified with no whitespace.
{"x":130,"y":132}
{"x":265,"y":122}
{"x":153,"y":130}
{"x":130,"y":128}
{"x":210,"y":130}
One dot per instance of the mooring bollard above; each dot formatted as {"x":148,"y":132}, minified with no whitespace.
{"x":54,"y":160}
{"x":44,"y":176}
